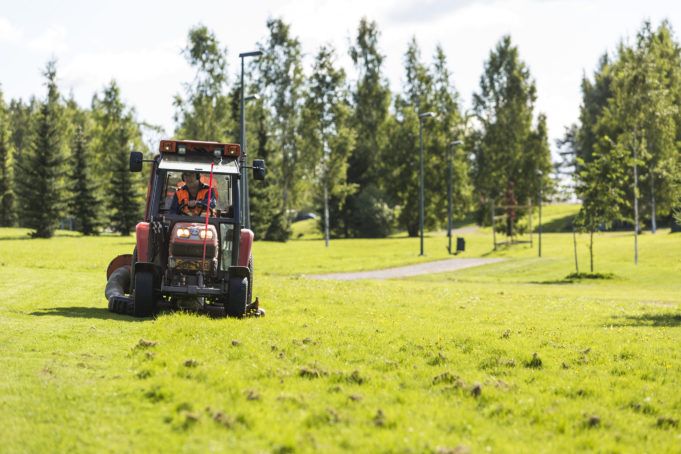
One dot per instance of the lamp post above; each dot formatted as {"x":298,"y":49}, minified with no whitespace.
{"x":247,"y":200}
{"x":541,"y":175}
{"x":421,"y":117}
{"x":245,"y":215}
{"x":450,"y":195}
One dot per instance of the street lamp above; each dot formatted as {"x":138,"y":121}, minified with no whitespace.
{"x":421,"y":117}
{"x":247,"y":200}
{"x":245,"y":214}
{"x":541,"y":175}
{"x":449,"y":205}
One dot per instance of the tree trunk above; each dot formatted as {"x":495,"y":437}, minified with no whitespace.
{"x":653,"y":226}
{"x":635,"y":204}
{"x":326,"y":215}
{"x":285,"y":201}
{"x":591,"y":246}
{"x":574,"y":242}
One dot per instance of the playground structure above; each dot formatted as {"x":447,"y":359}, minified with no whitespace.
{"x":510,"y":217}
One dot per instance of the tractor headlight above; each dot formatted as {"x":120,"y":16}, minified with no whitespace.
{"x":206,"y":234}
{"x":182,"y":233}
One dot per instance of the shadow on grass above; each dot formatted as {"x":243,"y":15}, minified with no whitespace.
{"x":22,"y":237}
{"x":87,"y":312}
{"x":557,"y":225}
{"x":554,"y":282}
{"x":669,"y":319}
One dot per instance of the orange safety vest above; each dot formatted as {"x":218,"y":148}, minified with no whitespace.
{"x":202,"y":195}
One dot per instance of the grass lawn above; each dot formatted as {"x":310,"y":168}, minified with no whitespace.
{"x":507,"y":357}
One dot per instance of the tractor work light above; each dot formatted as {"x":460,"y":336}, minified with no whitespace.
{"x":206,"y":234}
{"x":232,"y":150}
{"x":182,"y":233}
{"x":184,"y":147}
{"x":166,"y":146}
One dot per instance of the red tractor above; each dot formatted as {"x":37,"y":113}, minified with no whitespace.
{"x":199,"y":260}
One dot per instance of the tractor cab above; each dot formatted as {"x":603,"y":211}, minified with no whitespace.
{"x":190,"y":259}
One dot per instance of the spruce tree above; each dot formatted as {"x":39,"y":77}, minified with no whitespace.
{"x":22,"y":117}
{"x":268,"y":219}
{"x":7,"y":210}
{"x":83,"y":200}
{"x":117,"y":135}
{"x":42,"y":167}
{"x":123,"y":203}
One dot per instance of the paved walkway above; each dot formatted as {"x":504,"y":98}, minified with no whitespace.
{"x":439,"y":266}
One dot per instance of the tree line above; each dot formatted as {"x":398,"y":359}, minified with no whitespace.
{"x":624,"y":152}
{"x":59,"y":160}
{"x":347,"y":149}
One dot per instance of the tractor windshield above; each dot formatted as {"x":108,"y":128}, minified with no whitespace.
{"x":222,"y":186}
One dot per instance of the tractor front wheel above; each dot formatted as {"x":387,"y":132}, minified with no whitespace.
{"x":143,"y":301}
{"x":237,"y":297}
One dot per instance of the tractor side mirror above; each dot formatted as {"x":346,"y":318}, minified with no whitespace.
{"x":136,"y":159}
{"x":259,"y":170}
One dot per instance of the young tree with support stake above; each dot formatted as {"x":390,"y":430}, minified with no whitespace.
{"x":634,"y":99}
{"x":599,"y":187}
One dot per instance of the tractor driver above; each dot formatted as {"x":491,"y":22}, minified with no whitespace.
{"x":191,"y":198}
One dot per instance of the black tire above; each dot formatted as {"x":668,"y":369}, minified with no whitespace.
{"x":250,"y":280}
{"x":236,"y":297}
{"x":143,"y":300}
{"x":132,"y":270}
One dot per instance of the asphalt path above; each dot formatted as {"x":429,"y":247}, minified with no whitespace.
{"x":439,"y":266}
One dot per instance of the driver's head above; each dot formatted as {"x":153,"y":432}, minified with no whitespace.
{"x":190,"y":177}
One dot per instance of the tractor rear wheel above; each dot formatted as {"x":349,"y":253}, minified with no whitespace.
{"x":143,"y":300}
{"x":237,"y":296}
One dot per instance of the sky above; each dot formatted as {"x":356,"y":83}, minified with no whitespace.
{"x":138,"y":43}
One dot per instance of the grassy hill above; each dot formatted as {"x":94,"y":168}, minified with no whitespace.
{"x":508,"y":357}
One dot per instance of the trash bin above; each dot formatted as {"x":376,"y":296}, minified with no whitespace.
{"x":460,"y":244}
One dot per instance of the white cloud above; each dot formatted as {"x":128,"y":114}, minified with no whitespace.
{"x":51,"y":40}
{"x":147,"y":77}
{"x":8,"y":32}
{"x":131,"y":65}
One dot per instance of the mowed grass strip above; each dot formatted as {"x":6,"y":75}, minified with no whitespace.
{"x":509,"y":357}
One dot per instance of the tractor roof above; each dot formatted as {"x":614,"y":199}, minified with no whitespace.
{"x":197,"y":156}
{"x":203,"y":165}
